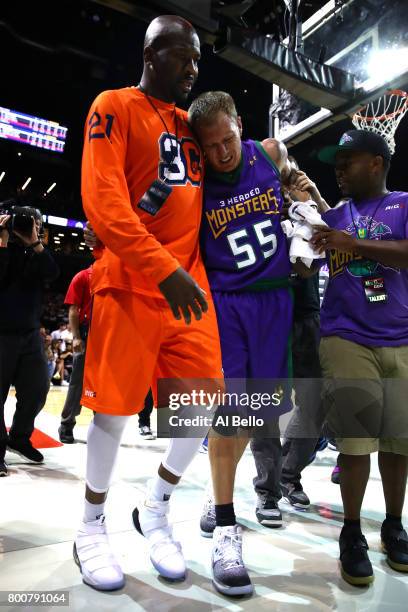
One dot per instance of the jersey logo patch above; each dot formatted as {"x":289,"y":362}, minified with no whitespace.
{"x":180,"y":162}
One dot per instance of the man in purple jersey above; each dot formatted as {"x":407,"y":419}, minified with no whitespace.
{"x":364,"y":328}
{"x":246,"y":257}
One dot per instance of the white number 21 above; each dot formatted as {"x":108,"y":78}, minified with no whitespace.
{"x":247,"y":249}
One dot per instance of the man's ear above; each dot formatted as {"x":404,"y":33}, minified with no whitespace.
{"x":239,"y":124}
{"x":148,"y":56}
{"x":379,"y":163}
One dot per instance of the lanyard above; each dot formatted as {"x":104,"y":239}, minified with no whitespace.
{"x":372,"y":217}
{"x":156,"y":110}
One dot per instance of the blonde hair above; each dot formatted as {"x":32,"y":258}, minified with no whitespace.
{"x":208,"y":105}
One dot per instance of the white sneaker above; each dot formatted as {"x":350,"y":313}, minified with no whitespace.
{"x":165,"y":553}
{"x":93,"y":555}
{"x":230,"y":575}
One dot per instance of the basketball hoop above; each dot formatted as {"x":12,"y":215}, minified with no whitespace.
{"x":383,"y":115}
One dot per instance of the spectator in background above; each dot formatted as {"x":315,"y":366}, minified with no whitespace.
{"x":50,"y":357}
{"x":58,"y":374}
{"x":79,"y":300}
{"x":25,"y":266}
{"x":56,"y":334}
{"x":62,"y":333}
{"x":66,"y":367}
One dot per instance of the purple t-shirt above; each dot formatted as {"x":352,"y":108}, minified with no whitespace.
{"x":346,"y":311}
{"x":241,"y":236}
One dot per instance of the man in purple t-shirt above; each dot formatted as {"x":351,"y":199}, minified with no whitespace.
{"x":364,"y":347}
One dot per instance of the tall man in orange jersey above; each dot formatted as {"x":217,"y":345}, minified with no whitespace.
{"x":152,"y":313}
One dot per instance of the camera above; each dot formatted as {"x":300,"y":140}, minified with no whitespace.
{"x":21,"y":218}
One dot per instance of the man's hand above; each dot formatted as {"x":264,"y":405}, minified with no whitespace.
{"x":182,"y":293}
{"x":78,"y":345}
{"x":4,"y":234}
{"x":326,"y":239}
{"x":303,"y":188}
{"x":287,"y":202}
{"x":91,"y":239}
{"x":301,"y":182}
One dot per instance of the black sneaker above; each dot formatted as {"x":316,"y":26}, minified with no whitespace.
{"x":355,"y":565}
{"x":230,"y":576}
{"x":207,"y":519}
{"x":26,"y":451}
{"x":267,"y":511}
{"x":66,"y":435}
{"x":3,"y":468}
{"x":295,"y":495}
{"x":394,"y":542}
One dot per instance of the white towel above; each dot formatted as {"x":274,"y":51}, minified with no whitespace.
{"x":299,"y":229}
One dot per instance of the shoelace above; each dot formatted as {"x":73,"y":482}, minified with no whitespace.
{"x":270,"y":503}
{"x":230,"y":550}
{"x":209,"y":508}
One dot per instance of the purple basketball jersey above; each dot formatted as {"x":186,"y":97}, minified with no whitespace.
{"x":241,"y":236}
{"x":346,"y":310}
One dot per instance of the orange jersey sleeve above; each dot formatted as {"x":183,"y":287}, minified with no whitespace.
{"x":129,"y":143}
{"x":105,"y":191}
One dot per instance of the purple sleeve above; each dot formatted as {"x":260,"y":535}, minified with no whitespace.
{"x":406,"y":217}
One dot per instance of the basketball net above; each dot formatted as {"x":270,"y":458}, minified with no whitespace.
{"x":383,"y":116}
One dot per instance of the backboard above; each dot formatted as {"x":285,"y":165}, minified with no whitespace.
{"x":368,"y":38}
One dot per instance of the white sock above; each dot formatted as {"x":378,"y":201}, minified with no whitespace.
{"x":161,"y":489}
{"x":180,"y":453}
{"x":92,"y":511}
{"x":104,"y":435}
{"x":178,"y":456}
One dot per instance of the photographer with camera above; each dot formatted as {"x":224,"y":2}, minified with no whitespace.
{"x":25,"y":266}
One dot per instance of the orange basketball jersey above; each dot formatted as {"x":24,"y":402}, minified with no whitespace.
{"x":127,"y":146}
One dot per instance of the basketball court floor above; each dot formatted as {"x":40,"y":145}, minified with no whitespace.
{"x":293,"y":568}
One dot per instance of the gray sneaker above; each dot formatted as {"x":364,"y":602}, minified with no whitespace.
{"x":207,"y":520}
{"x":230,"y":576}
{"x":146,"y":433}
{"x":267,"y":511}
{"x":295,"y":495}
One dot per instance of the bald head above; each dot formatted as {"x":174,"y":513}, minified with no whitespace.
{"x":166,"y":29}
{"x":171,"y":54}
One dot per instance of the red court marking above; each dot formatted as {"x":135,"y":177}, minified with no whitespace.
{"x":39,"y":439}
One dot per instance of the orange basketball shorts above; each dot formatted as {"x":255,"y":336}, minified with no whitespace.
{"x":133,"y":341}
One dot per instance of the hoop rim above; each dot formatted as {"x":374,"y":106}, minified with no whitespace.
{"x":389,"y":92}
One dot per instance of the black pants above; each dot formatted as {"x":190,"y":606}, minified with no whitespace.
{"x":144,"y":415}
{"x":72,"y":406}
{"x":22,"y":364}
{"x":267,"y":452}
{"x":307,"y":421}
